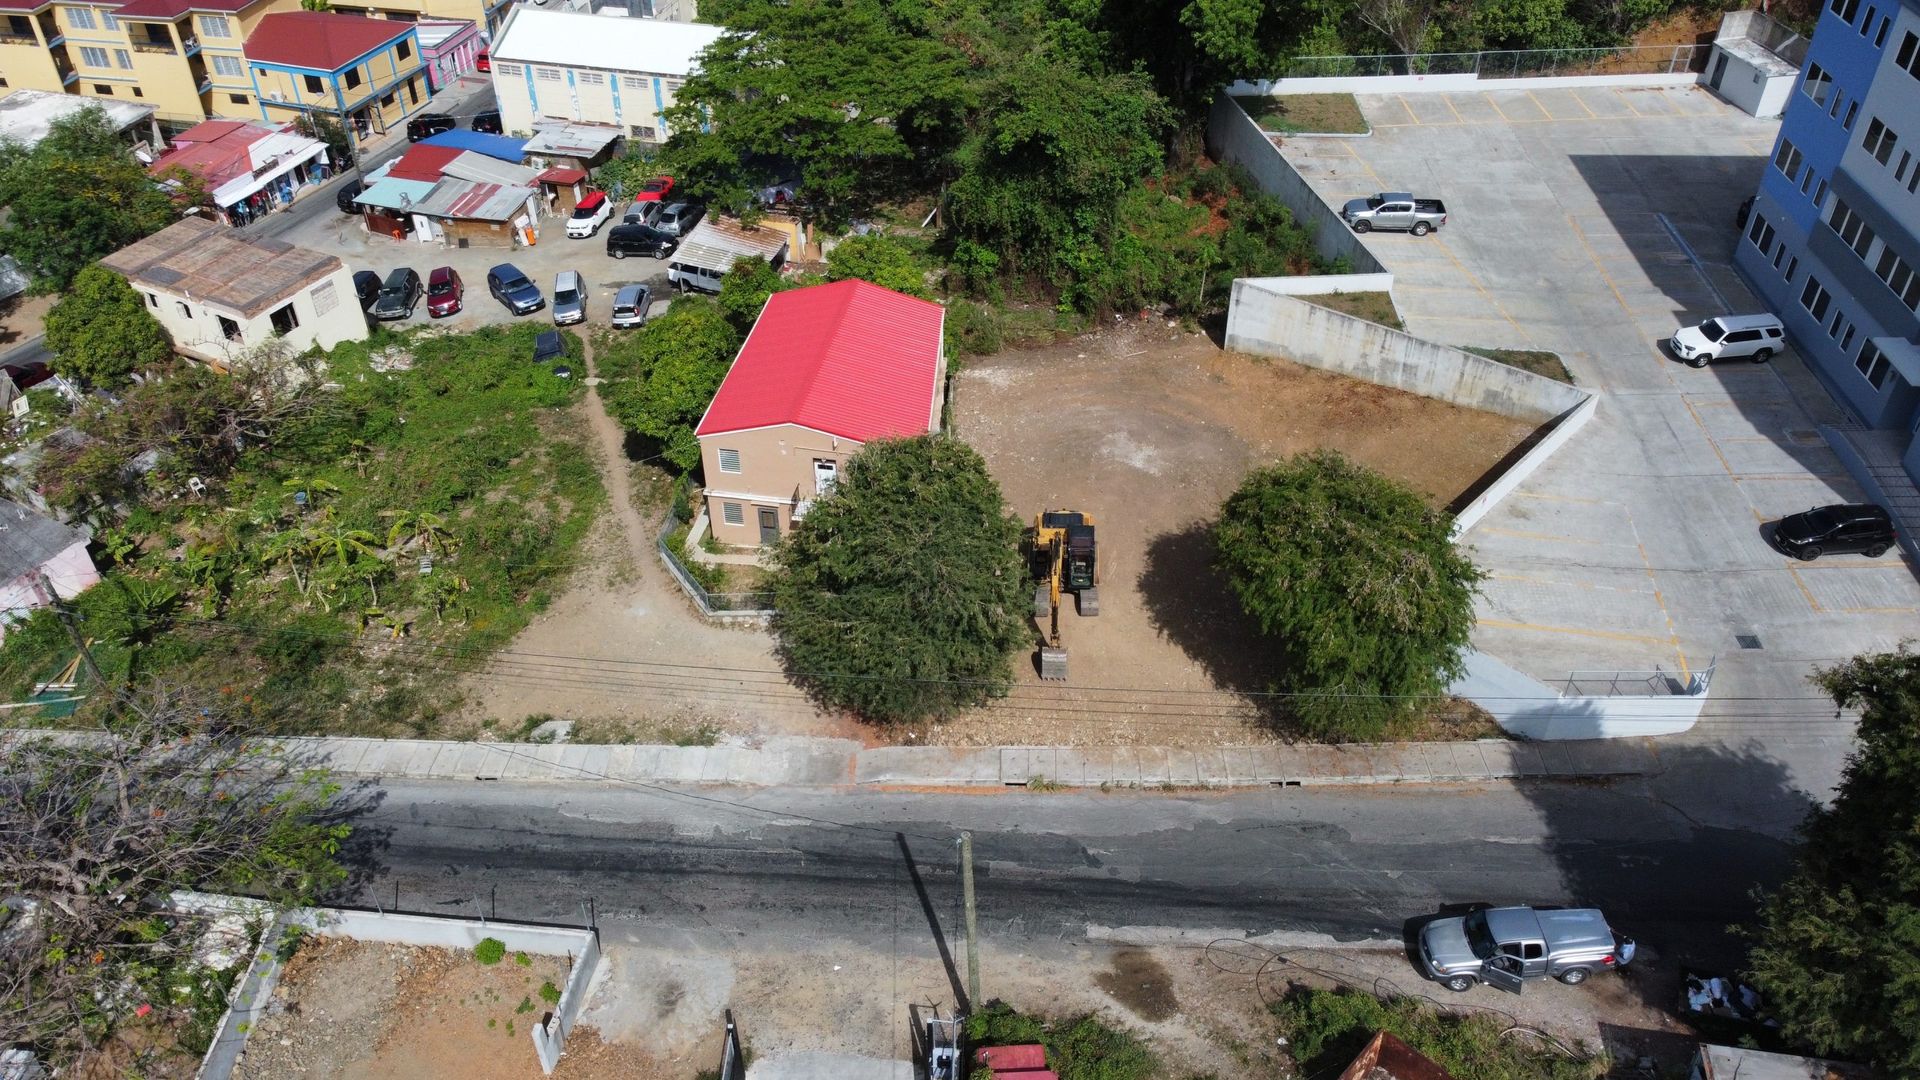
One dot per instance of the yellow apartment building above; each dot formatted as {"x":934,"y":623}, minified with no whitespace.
{"x":366,"y":72}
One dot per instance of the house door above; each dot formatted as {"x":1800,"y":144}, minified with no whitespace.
{"x":825,"y":472}
{"x":1719,"y":71}
{"x":769,"y":525}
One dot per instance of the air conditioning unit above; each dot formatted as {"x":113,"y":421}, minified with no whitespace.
{"x":275,"y":95}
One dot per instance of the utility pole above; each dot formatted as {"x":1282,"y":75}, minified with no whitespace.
{"x":86,"y":654}
{"x":973,"y":941}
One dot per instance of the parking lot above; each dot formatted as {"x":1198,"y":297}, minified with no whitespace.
{"x":1593,"y":222}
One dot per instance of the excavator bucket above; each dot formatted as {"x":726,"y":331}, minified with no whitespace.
{"x":1053,"y":662}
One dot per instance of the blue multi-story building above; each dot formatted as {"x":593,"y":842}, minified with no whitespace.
{"x":1833,"y":242}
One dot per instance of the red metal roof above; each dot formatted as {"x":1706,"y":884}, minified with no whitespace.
{"x":851,"y":359}
{"x":214,"y":150}
{"x":557,"y":175}
{"x":423,"y":163}
{"x":173,"y":9}
{"x":1011,"y":1059}
{"x":319,"y":40}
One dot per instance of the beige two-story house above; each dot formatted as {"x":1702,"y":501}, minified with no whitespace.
{"x":825,"y":370}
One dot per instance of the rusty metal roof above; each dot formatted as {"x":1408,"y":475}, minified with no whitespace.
{"x":203,"y":260}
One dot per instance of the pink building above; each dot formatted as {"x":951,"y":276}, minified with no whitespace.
{"x":449,"y":48}
{"x":37,"y":552}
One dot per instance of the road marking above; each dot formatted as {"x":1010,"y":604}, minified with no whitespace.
{"x":1448,"y":98}
{"x":1470,"y":276}
{"x":1559,"y":498}
{"x":1597,"y":265}
{"x":1623,"y":100}
{"x":1497,"y":108}
{"x":1724,"y":463}
{"x":1878,"y":610}
{"x":1411,"y":115}
{"x":1347,"y":145}
{"x":1542,"y":106}
{"x":1659,"y":600}
{"x":1576,"y":631}
{"x":1530,"y":580}
{"x":1804,"y":591}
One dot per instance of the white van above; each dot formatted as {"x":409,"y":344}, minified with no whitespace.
{"x":1730,"y":337}
{"x":696,"y":278}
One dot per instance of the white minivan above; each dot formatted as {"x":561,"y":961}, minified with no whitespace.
{"x":1730,"y":337}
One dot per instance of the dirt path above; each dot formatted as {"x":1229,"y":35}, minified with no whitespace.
{"x":623,"y":644}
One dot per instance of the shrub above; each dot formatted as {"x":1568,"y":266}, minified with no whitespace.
{"x":490,"y":951}
{"x":549,"y":993}
{"x":972,"y":329}
{"x":1326,"y":1028}
{"x":1079,"y":1048}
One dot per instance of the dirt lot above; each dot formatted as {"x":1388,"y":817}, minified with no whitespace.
{"x":1149,"y":429}
{"x":390,"y":1012}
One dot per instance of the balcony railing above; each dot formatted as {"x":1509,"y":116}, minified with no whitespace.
{"x":191,"y":44}
{"x":162,"y":47}
{"x":11,"y":37}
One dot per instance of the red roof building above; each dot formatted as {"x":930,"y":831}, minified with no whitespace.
{"x":824,"y":370}
{"x":319,"y":40}
{"x":423,"y":163}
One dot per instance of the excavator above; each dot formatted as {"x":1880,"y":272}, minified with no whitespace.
{"x":1061,"y":558}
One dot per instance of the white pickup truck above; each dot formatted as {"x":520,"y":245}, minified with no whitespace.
{"x":1396,"y":210}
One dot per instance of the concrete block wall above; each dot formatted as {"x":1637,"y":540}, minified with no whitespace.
{"x":1233,"y":136}
{"x":1437,"y":84}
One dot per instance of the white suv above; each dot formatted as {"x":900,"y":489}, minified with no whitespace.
{"x":1730,"y":337}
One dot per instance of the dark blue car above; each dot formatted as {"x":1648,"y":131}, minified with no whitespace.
{"x":514,"y":289}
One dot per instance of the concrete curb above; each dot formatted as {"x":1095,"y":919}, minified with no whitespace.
{"x":839,"y":763}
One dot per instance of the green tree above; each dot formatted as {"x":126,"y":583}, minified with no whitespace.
{"x":857,"y":100}
{"x":744,"y":290}
{"x":1359,"y":581}
{"x":99,"y":332}
{"x":1837,"y":948}
{"x":663,"y":376}
{"x":77,"y":195}
{"x":902,"y":593}
{"x":887,"y":261}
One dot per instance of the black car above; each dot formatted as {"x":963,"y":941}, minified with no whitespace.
{"x":1861,"y":527}
{"x":549,"y":345}
{"x":398,"y":295}
{"x":429,"y":124}
{"x":367,"y":284}
{"x":625,"y":240}
{"x":512,"y":288}
{"x":349,"y":191}
{"x":488,"y":122}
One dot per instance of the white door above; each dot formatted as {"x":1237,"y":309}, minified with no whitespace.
{"x":825,"y":472}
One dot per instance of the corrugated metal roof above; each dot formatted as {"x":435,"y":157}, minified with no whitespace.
{"x":572,"y":140}
{"x":851,"y":359}
{"x":423,"y":162}
{"x":319,"y":40}
{"x":27,"y":115}
{"x":466,"y":199}
{"x":395,"y":194}
{"x":28,"y":539}
{"x":577,"y":39}
{"x":198,"y":257}
{"x":471,"y":166}
{"x":504,"y":147}
{"x":717,"y":241}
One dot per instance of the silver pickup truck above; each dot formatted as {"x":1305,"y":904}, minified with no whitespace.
{"x":1505,"y":947}
{"x":1396,"y":210}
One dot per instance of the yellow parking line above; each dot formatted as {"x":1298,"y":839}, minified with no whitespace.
{"x":1724,"y":463}
{"x":1659,"y":600}
{"x":1542,"y":106}
{"x":1346,"y":144}
{"x":1804,"y":591}
{"x":1578,"y":100}
{"x":1448,"y":98}
{"x":1470,"y":276}
{"x":1498,"y":109}
{"x":1568,"y":584}
{"x":1415,"y":117}
{"x":1558,"y":498}
{"x":1597,"y":265}
{"x":1611,"y":635}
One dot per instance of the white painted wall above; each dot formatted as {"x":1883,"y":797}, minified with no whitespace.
{"x":328,"y":312}
{"x":1434,"y":84}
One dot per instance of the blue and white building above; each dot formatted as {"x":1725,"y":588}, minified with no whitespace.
{"x":1833,"y":243}
{"x":606,"y":70}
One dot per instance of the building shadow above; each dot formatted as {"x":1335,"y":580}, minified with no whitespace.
{"x":1189,"y":603}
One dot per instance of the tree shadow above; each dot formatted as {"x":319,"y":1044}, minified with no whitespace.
{"x":1189,"y":603}
{"x":364,"y":850}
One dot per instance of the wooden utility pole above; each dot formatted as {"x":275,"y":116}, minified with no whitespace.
{"x":66,"y":620}
{"x":973,"y":943}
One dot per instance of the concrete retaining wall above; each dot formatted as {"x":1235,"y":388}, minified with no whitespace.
{"x":1416,"y":84}
{"x":1524,"y":706}
{"x":1264,"y":321}
{"x":1563,"y":428}
{"x":1327,"y":284}
{"x":1233,"y":136}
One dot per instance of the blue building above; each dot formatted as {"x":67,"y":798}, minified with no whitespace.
{"x":1833,"y":243}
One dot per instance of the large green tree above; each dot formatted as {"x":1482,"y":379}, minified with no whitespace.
{"x":902,"y":594}
{"x":664,"y":375}
{"x":1358,"y":580}
{"x":100,"y":332}
{"x":1837,"y":949}
{"x":887,"y":261}
{"x":77,"y":195}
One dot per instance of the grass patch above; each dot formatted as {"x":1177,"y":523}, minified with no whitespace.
{"x":1306,"y":114}
{"x":1372,"y":306}
{"x":1079,"y":1048}
{"x":1538,"y":361}
{"x":1327,"y":1028}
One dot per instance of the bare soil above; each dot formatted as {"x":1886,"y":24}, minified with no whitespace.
{"x":392,"y":1012}
{"x":1306,"y":114}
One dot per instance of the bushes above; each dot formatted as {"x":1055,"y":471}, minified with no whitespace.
{"x":490,"y":951}
{"x":1078,"y":1048}
{"x":1327,"y":1028}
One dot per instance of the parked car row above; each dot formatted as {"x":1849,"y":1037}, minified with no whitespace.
{"x":396,"y":295}
{"x":427,"y":125}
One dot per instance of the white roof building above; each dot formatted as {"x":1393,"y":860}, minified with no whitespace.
{"x":26,"y":116}
{"x":578,"y":67}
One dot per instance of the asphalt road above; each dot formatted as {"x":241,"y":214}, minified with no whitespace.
{"x":823,"y":866}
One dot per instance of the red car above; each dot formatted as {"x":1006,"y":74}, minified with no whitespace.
{"x":483,"y":62}
{"x":445,"y":292}
{"x":655,"y":189}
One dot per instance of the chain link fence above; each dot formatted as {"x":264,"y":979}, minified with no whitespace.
{"x":1508,"y":64}
{"x":736,"y":605}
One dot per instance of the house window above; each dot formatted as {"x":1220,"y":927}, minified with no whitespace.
{"x":185,"y":311}
{"x":123,"y":58}
{"x":1879,"y":141}
{"x":353,"y":77}
{"x":1814,"y":298}
{"x":511,"y":71}
{"x":386,"y":101}
{"x":1846,"y":9}
{"x":1761,"y":233}
{"x":730,"y":461}
{"x":1787,"y":159}
{"x":137,"y":92}
{"x":733,"y":513}
{"x":229,"y":67}
{"x":325,"y":297}
{"x":1853,"y":230}
{"x":108,"y":22}
{"x":1818,"y":84}
{"x":230,"y":330}
{"x":93,"y":57}
{"x":1873,"y":364}
{"x":547,"y":74}
{"x":284,"y":319}
{"x":103,"y":89}
{"x":647,"y":133}
{"x":403,"y":50}
{"x":237,"y":99}
{"x":313,"y":83}
{"x":80,"y":18}
{"x":413,"y":91}
{"x":214,"y":26}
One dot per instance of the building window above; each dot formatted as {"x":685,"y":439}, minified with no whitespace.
{"x":730,"y":461}
{"x":1899,"y":276}
{"x":93,"y":57}
{"x":1880,"y":39}
{"x":230,"y":330}
{"x":1820,"y":193}
{"x":237,"y":99}
{"x":228,"y":67}
{"x":325,"y":297}
{"x":284,"y":319}
{"x":312,"y":82}
{"x":108,"y":22}
{"x":80,"y":18}
{"x":1787,"y":159}
{"x":1879,"y":141}
{"x":1761,"y":233}
{"x":137,"y":92}
{"x":1846,"y":339}
{"x":592,"y":78}
{"x":353,"y":77}
{"x":214,"y":26}
{"x":1793,"y":264}
{"x":732,"y":513}
{"x":1906,"y":158}
{"x":1853,"y":229}
{"x":153,"y":301}
{"x":123,"y":58}
{"x":1909,"y":55}
{"x":633,"y":82}
{"x":510,"y":71}
{"x":1815,"y":298}
{"x":1866,"y":24}
{"x":413,"y":91}
{"x":185,"y":311}
{"x":672,"y":87}
{"x":1853,"y":110}
{"x":1846,"y":9}
{"x":1833,"y":328}
{"x":1818,"y":84}
{"x":403,"y":50}
{"x":647,"y":133}
{"x":386,"y":101}
{"x":547,"y":74}
{"x":103,"y":89}
{"x":1873,"y":364}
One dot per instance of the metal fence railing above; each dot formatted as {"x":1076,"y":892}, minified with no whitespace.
{"x":1507,"y":64}
{"x":712,"y":604}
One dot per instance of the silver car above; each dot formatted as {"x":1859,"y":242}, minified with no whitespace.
{"x":679,"y":218}
{"x":644,"y":213}
{"x":630,"y":306}
{"x":1504,"y":947}
{"x":569,"y":298}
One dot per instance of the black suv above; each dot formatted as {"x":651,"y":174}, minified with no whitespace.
{"x":625,"y":240}
{"x":399,"y":295}
{"x":429,"y":124}
{"x":488,"y":122}
{"x":348,"y":192}
{"x":1860,"y":527}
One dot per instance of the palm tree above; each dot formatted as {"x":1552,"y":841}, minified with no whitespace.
{"x":310,"y":487}
{"x":292,"y":547}
{"x":419,"y":529}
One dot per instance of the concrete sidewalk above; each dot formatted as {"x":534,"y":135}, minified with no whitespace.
{"x":802,"y":762}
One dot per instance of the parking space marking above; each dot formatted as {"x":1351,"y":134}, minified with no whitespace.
{"x":1448,"y":98}
{"x":1621,"y":94}
{"x":1498,"y":109}
{"x":1588,"y":585}
{"x":1560,"y":498}
{"x":1411,"y":115}
{"x":1522,"y":534}
{"x":1804,"y":591}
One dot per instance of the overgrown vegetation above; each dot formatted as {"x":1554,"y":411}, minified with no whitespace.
{"x":350,"y":545}
{"x":100,"y":331}
{"x":1078,"y":1048}
{"x":1292,"y":114}
{"x":1371,"y":306}
{"x":1537,"y":361}
{"x":900,"y":596}
{"x":1837,"y":948}
{"x":1358,"y":582}
{"x":1326,"y":1029}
